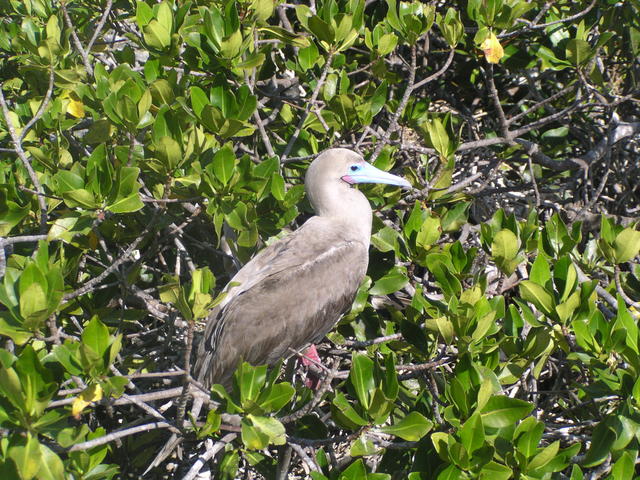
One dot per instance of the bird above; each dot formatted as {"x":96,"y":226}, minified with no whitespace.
{"x":294,"y":291}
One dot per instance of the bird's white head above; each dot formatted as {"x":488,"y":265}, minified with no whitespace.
{"x":331,"y":175}
{"x":350,"y":167}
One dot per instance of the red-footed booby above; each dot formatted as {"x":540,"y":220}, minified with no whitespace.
{"x":293,"y":292}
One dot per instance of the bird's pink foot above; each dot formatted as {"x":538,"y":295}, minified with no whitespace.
{"x":311,"y":357}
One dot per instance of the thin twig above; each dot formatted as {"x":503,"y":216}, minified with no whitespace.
{"x":89,"y":285}
{"x":540,"y":104}
{"x":562,"y":114}
{"x":393,"y":126}
{"x":437,"y":74}
{"x":263,"y":134}
{"x":308,"y":106}
{"x":533,"y":180}
{"x":208,"y":455}
{"x":532,"y":26}
{"x":100,"y":25}
{"x":375,"y":341}
{"x":75,"y":39}
{"x":43,"y":105}
{"x":21,"y":239}
{"x":17,"y":145}
{"x":325,"y":385}
{"x":147,"y":427}
{"x":493,"y":92}
{"x":150,"y":410}
{"x":309,"y":461}
{"x":182,"y":401}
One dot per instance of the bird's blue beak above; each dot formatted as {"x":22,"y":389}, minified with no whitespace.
{"x":366,"y":173}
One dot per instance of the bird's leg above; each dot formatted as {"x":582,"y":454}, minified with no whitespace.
{"x":311,"y":360}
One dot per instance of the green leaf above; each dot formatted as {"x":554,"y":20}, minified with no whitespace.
{"x":626,"y":322}
{"x":472,"y":433}
{"x":252,"y":437}
{"x":565,"y":277}
{"x":501,"y":411}
{"x":451,"y":26}
{"x":429,"y":232}
{"x":343,"y":31}
{"x":144,"y":14}
{"x":381,"y":404}
{"x":626,"y":245}
{"x":96,"y":336}
{"x":394,"y":280}
{"x":362,"y":446}
{"x":438,"y":136}
{"x":534,"y":293}
{"x":505,"y":245}
{"x":624,"y":468}
{"x":356,"y":471}
{"x":392,"y":16}
{"x":33,"y":289}
{"x":343,"y":413}
{"x":601,"y":440}
{"x":11,"y":214}
{"x":125,"y":197}
{"x":199,"y":100}
{"x":321,"y":29}
{"x":230,"y":46}
{"x":307,"y":57}
{"x":414,"y":335}
{"x":386,"y":239}
{"x":540,"y":272}
{"x":455,"y":218}
{"x":528,"y":435}
{"x":80,"y":198}
{"x":250,"y":380}
{"x":55,"y":287}
{"x":578,"y":51}
{"x":11,"y":388}
{"x":495,"y":471}
{"x":51,"y":466}
{"x":157,"y":33}
{"x":565,"y":310}
{"x":379,"y":98}
{"x":271,"y":427}
{"x":412,"y":427}
{"x":129,"y":204}
{"x":26,"y":455}
{"x":168,"y":151}
{"x":361,"y":377}
{"x":386,"y":44}
{"x":246,"y":103}
{"x":284,"y":35}
{"x":544,"y":457}
{"x":223,"y":164}
{"x":276,"y":397}
{"x":13,"y":329}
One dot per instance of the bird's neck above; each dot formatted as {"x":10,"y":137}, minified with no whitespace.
{"x":346,"y":205}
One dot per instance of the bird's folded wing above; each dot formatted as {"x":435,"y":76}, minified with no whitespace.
{"x":288,"y":301}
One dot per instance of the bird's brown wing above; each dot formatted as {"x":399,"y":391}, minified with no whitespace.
{"x":294,"y":302}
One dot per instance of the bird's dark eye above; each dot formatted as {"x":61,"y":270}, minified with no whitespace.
{"x":355,"y":168}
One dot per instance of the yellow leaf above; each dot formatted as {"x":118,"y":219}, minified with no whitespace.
{"x":492,"y":49}
{"x":90,"y":394}
{"x":75,"y":108}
